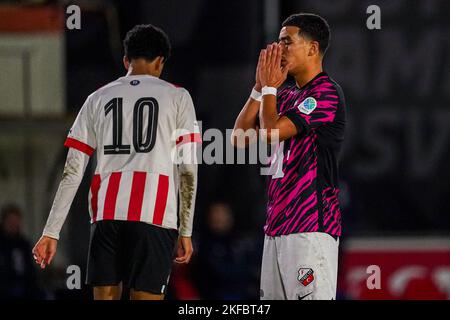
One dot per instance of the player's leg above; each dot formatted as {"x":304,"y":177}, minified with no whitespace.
{"x":329,"y":247}
{"x":308,"y":264}
{"x":104,"y":269}
{"x":143,"y":295}
{"x":149,"y":252}
{"x":271,"y":283}
{"x":108,"y":292}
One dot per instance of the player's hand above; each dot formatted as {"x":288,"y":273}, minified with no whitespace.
{"x":184,"y":250}
{"x":44,"y":251}
{"x":258,"y":85}
{"x":272,"y":73}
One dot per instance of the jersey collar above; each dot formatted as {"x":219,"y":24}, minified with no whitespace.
{"x":320,"y":74}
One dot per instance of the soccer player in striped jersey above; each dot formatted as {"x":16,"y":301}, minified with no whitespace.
{"x":143,"y":131}
{"x":303,"y":223}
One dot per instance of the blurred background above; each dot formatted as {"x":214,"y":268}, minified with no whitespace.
{"x":395,"y":172}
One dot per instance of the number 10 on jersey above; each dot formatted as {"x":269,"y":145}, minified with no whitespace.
{"x":140,"y":145}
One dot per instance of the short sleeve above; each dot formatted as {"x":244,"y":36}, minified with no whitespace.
{"x":82,"y":136}
{"x":187,"y":127}
{"x":316,"y":110}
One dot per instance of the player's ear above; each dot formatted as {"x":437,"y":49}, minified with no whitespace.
{"x":159,"y":63}
{"x":313,"y":48}
{"x":126,"y":62}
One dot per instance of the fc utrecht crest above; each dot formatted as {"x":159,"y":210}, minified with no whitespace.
{"x":305,"y":276}
{"x":308,"y":105}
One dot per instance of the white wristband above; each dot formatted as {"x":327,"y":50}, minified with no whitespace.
{"x":269,"y":90}
{"x":256,"y":95}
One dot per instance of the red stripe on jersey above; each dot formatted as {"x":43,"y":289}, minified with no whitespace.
{"x":80,"y":146}
{"x":175,"y":85}
{"x":111,"y":196}
{"x":137,"y":196}
{"x":161,"y":199}
{"x":95,"y":186}
{"x":192,"y":137}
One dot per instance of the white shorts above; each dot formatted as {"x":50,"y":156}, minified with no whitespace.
{"x":299,"y":266}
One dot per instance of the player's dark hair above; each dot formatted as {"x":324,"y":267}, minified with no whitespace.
{"x":311,"y":26}
{"x":146,"y":41}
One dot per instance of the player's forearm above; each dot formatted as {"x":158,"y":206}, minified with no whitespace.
{"x":73,"y":174}
{"x":188,"y":190}
{"x":246,"y":120}
{"x":268,"y":115}
{"x":248,"y":115}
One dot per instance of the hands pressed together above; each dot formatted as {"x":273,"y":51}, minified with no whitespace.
{"x":269,"y":71}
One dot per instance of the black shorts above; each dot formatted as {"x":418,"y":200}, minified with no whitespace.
{"x":138,"y":254}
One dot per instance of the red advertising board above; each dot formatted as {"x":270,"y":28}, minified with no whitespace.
{"x":409,"y":269}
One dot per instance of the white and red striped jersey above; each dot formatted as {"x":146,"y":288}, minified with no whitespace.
{"x":134,"y":125}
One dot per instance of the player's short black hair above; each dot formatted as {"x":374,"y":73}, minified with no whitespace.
{"x":146,"y":41}
{"x":311,"y":26}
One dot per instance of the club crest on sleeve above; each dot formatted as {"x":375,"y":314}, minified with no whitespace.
{"x":305,"y":276}
{"x":308,"y":105}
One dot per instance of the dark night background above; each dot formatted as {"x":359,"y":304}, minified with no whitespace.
{"x":394,"y":167}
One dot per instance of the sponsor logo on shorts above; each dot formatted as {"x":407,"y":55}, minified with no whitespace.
{"x":299,"y":297}
{"x":305,"y":276}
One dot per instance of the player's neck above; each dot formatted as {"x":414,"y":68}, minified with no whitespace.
{"x":134,"y":72}
{"x":139,"y":69}
{"x":304,"y":77}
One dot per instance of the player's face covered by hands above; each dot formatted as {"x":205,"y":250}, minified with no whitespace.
{"x":271,"y":71}
{"x":296,"y":49}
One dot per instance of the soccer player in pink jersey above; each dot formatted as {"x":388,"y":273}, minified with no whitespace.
{"x":143,"y":131}
{"x":303,"y":223}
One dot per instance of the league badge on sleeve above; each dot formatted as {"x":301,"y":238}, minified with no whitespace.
{"x":308,"y":105}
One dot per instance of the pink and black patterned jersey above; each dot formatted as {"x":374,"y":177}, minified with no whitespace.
{"x":303,"y":193}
